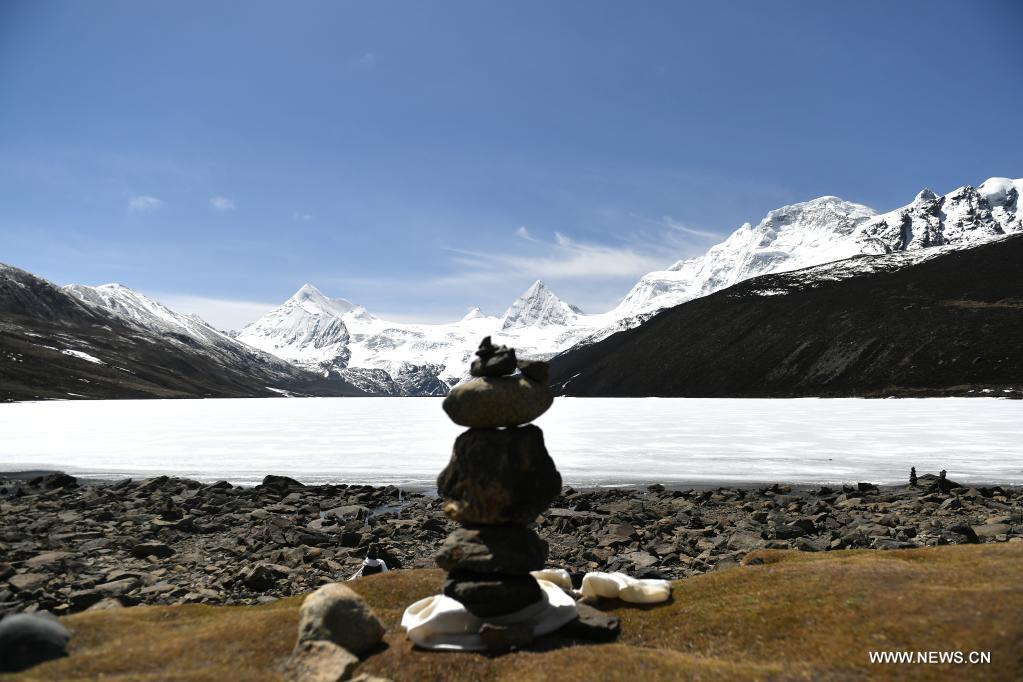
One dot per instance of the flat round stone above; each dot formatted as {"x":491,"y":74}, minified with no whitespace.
{"x":493,"y":402}
{"x":489,"y":596}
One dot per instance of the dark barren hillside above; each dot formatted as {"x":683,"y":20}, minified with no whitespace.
{"x":950,"y":325}
{"x":54,"y":346}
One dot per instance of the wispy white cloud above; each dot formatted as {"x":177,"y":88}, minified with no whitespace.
{"x":144,"y":204}
{"x":222,"y":203}
{"x":670,"y":222}
{"x":523,"y":232}
{"x":301,"y":217}
{"x":368,"y":60}
{"x":562,"y":259}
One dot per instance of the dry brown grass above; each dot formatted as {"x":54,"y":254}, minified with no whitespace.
{"x":797,"y":616}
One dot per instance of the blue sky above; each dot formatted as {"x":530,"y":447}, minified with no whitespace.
{"x":422,"y":158}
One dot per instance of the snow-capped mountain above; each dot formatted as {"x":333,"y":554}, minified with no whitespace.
{"x":111,"y":342}
{"x":420,"y":359}
{"x":789,"y":238}
{"x":539,"y":307}
{"x":308,"y":330}
{"x":139,"y":311}
{"x":343,"y":342}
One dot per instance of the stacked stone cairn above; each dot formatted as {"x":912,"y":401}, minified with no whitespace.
{"x":499,"y":479}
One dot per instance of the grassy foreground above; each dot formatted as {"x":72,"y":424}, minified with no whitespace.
{"x":796,"y":616}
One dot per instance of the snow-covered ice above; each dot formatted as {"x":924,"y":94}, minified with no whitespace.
{"x":609,"y":441}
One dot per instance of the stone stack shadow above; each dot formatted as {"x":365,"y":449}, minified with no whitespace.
{"x":499,"y":479}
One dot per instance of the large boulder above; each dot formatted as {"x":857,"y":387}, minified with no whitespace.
{"x":27,"y":639}
{"x":499,"y":477}
{"x":493,"y":402}
{"x":337,"y":614}
{"x":493,"y":549}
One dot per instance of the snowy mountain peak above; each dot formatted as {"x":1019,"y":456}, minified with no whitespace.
{"x":141,"y":311}
{"x":315,"y":302}
{"x":925,"y":196}
{"x":306,"y":329}
{"x":538,"y":306}
{"x":308,"y":291}
{"x":474,"y":314}
{"x":788,"y":238}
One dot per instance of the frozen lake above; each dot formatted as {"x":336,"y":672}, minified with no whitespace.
{"x":407,"y":441}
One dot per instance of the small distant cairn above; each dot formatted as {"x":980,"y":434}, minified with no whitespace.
{"x":912,"y":476}
{"x":499,"y":479}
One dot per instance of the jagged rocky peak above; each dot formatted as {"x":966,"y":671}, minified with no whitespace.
{"x":538,"y":307}
{"x":966,"y":216}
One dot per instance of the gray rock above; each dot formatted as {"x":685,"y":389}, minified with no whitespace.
{"x":27,"y":639}
{"x":116,"y":588}
{"x":281,"y":482}
{"x":258,"y":577}
{"x":990,"y":530}
{"x":492,"y":402}
{"x":48,"y":558}
{"x":28,"y":582}
{"x":745,"y":541}
{"x":592,"y":624}
{"x":337,"y":614}
{"x":106,"y":604}
{"x":789,"y":531}
{"x":320,"y":661}
{"x":499,"y":477}
{"x":83,"y":599}
{"x":493,"y":549}
{"x":157,"y":549}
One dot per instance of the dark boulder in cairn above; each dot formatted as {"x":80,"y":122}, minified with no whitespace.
{"x":492,"y":595}
{"x":498,"y":477}
{"x":493,"y":549}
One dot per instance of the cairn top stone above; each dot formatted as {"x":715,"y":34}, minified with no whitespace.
{"x":493,"y":402}
{"x":493,"y":361}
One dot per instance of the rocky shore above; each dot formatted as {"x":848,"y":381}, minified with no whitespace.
{"x":66,"y":546}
